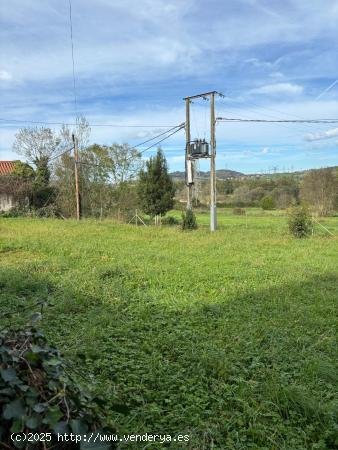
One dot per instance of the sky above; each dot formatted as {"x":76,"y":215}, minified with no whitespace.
{"x":135,"y":61}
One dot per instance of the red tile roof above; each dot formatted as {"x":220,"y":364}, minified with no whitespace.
{"x":6,"y":167}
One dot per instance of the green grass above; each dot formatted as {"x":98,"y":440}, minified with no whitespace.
{"x":228,"y":337}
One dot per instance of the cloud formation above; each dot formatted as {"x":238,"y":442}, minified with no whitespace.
{"x":279,"y":88}
{"x":5,"y":76}
{"x":135,"y":61}
{"x":328,"y":134}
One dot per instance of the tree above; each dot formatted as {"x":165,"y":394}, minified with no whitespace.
{"x":23,"y":171}
{"x":300,"y":223}
{"x":126,"y":162}
{"x":81,"y":130}
{"x":37,"y":145}
{"x":189,"y":220}
{"x":155,"y":188}
{"x":116,"y":163}
{"x":241,"y":196}
{"x":282,"y":197}
{"x":267,"y":203}
{"x":319,"y":189}
{"x":228,"y":187}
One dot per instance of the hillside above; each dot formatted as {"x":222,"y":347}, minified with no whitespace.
{"x":222,"y":174}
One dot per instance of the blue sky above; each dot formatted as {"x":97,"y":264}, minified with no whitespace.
{"x":136,"y":60}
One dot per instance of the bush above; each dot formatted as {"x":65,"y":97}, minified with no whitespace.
{"x":189,"y":220}
{"x":300,"y":223}
{"x":37,"y":393}
{"x":50,"y":211}
{"x":267,"y":203}
{"x":239,"y":211}
{"x":16,"y":211}
{"x":170,"y":220}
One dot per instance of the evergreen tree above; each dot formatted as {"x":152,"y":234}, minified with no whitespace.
{"x":155,"y":188}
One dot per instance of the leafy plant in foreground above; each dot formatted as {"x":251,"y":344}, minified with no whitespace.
{"x":38,"y":395}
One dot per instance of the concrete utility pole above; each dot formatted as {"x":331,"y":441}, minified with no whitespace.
{"x":213,"y":215}
{"x":77,"y":190}
{"x":211,"y":96}
{"x":188,"y":165}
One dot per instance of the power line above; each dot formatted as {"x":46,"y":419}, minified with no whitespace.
{"x":176,"y":130}
{"x":91,"y":125}
{"x":73,"y":63}
{"x":179,"y":128}
{"x":306,"y":127}
{"x":238,"y":119}
{"x":161,"y":134}
{"x":60,"y":154}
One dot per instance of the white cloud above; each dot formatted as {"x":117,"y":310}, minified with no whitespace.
{"x":5,"y":75}
{"x":328,"y":134}
{"x":279,"y":88}
{"x":265,"y":151}
{"x":258,"y":63}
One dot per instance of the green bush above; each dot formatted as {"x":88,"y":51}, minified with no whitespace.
{"x":189,"y":220}
{"x":300,"y":223}
{"x":170,"y":220}
{"x":37,"y":393}
{"x":16,"y":211}
{"x":267,"y":203}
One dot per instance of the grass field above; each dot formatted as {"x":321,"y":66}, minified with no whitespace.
{"x":228,"y":337}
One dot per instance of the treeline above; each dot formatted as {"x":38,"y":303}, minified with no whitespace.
{"x":317,"y":189}
{"x":113,"y":179}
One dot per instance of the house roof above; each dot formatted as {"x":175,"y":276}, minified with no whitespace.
{"x":7,"y":167}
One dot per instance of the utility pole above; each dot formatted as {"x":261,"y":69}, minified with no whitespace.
{"x":77,"y":191}
{"x":188,"y":165}
{"x":205,"y":96}
{"x":213,"y":215}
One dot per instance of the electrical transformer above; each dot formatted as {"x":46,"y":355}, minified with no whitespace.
{"x":199,"y":148}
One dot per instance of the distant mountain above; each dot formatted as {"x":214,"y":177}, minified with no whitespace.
{"x":220,"y":174}
{"x":223,"y":174}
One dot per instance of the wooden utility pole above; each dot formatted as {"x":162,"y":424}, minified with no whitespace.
{"x":187,"y":141}
{"x":213,"y":215}
{"x":77,"y":190}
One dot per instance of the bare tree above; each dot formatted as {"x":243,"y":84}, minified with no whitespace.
{"x":319,"y":189}
{"x":36,"y":144}
{"x":81,"y":130}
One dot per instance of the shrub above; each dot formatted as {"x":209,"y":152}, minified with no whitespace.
{"x":300,"y":223}
{"x":38,"y":395}
{"x":16,"y":211}
{"x":239,"y":211}
{"x":267,"y":203}
{"x":49,"y":211}
{"x":189,"y":220}
{"x":170,"y":220}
